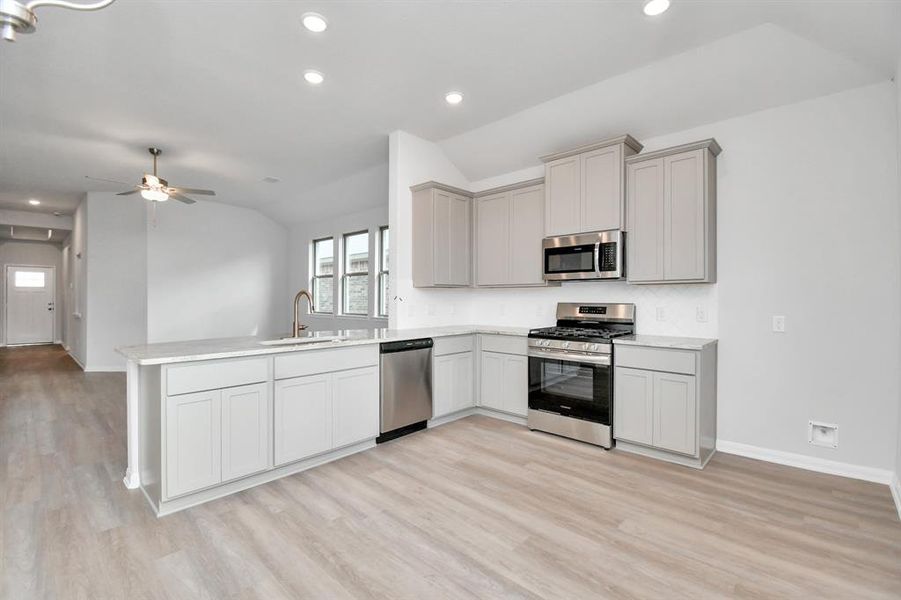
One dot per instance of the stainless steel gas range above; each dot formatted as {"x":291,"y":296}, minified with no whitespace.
{"x":571,"y":371}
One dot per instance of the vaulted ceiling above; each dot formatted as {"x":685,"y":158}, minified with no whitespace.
{"x":218,"y":85}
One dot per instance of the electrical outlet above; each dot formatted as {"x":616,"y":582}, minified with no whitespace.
{"x":661,"y":313}
{"x":822,"y":434}
{"x":779,"y":323}
{"x":701,"y":313}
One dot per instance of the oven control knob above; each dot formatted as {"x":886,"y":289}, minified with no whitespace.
{"x":566,"y":344}
{"x":593,"y":347}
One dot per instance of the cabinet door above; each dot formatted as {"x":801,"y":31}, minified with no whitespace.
{"x":683,"y":231}
{"x":645,"y":205}
{"x":675,"y":413}
{"x":441,"y":241}
{"x":355,"y":406}
{"x":492,"y":215}
{"x":526,"y":234}
{"x":516,"y":385}
{"x":246,"y":423}
{"x":193,"y":442}
{"x":303,"y":417}
{"x":602,"y":189}
{"x":443,"y":375}
{"x":563,"y":190}
{"x":491,"y":376}
{"x":633,"y":405}
{"x":459,"y":251}
{"x":462,"y":387}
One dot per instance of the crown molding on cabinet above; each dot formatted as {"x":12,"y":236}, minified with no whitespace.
{"x":628,"y":140}
{"x":428,"y":185}
{"x":509,"y":188}
{"x":709,"y":144}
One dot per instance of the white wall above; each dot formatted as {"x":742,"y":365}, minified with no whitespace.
{"x":808,"y":228}
{"x":116,"y":278}
{"x":75,"y":318}
{"x":300,"y":263}
{"x":43,"y":254}
{"x":215,"y":270}
{"x":897,"y":482}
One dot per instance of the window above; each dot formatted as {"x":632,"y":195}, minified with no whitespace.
{"x":355,"y":291}
{"x":30,"y":279}
{"x":383,"y":272}
{"x":323,"y":275}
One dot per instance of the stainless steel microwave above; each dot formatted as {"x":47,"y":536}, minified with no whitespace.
{"x":597,"y":255}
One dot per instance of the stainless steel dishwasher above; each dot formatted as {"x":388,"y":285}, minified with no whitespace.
{"x":406,"y":387}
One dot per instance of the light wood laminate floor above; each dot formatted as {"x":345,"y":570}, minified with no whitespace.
{"x":479,"y":508}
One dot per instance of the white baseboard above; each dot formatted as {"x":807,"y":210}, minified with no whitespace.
{"x":896,"y":492}
{"x":810,"y":463}
{"x":75,"y":358}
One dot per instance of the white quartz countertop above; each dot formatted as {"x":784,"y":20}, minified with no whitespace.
{"x":665,"y":341}
{"x":192,"y":350}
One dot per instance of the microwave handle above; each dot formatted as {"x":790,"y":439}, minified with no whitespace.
{"x":597,"y":259}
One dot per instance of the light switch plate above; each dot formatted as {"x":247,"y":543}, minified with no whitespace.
{"x":779,"y":323}
{"x":701,"y":313}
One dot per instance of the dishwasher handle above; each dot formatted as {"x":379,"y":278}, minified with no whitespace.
{"x":405,"y":345}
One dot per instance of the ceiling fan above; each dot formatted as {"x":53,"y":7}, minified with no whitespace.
{"x":157,"y":189}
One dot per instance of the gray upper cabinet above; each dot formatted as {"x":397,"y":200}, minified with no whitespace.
{"x":441,"y":235}
{"x":509,"y":227}
{"x":671,"y":200}
{"x":585,"y":187}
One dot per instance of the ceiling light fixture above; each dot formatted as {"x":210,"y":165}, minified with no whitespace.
{"x":49,"y":233}
{"x":34,"y":202}
{"x":313,"y":77}
{"x":454,"y":97}
{"x":652,"y":8}
{"x":18,"y":17}
{"x":314,"y":22}
{"x":154,"y":195}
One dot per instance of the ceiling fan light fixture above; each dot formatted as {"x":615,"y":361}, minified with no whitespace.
{"x":154,"y":195}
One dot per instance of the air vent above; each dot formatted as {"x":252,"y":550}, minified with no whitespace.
{"x":822,"y":434}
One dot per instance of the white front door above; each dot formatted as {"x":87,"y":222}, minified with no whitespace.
{"x":29,"y":305}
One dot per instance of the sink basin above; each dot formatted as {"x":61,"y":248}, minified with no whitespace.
{"x":302,"y":341}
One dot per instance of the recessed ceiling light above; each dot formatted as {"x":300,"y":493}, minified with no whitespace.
{"x":315,"y":22}
{"x":652,"y":8}
{"x":271,"y":179}
{"x":34,"y":202}
{"x":313,"y":77}
{"x":454,"y":97}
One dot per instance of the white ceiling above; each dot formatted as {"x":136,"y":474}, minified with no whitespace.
{"x":218,"y":86}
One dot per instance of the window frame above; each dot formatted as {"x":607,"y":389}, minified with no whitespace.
{"x":315,"y":276}
{"x":345,"y":274}
{"x":382,"y":272}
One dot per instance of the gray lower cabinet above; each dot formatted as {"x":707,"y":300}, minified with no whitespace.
{"x":216,"y":436}
{"x":671,"y":214}
{"x":318,"y":413}
{"x":193,"y":442}
{"x":504,"y":382}
{"x":665,"y":402}
{"x":442,"y":224}
{"x":509,"y":228}
{"x":452,"y":383}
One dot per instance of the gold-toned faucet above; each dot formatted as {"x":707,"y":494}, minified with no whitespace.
{"x":298,"y":327}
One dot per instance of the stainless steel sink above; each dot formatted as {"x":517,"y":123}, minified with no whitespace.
{"x":303,"y":341}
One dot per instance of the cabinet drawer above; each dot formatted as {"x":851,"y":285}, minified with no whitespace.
{"x":507,"y":344}
{"x":452,"y":345}
{"x":213,"y":375}
{"x":311,"y":362}
{"x":655,"y":359}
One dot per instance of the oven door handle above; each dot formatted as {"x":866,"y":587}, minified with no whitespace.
{"x":594,"y":359}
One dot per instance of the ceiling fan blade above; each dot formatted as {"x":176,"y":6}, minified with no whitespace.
{"x":176,"y":196}
{"x":103,"y":179}
{"x":130,"y":192}
{"x":183,"y":190}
